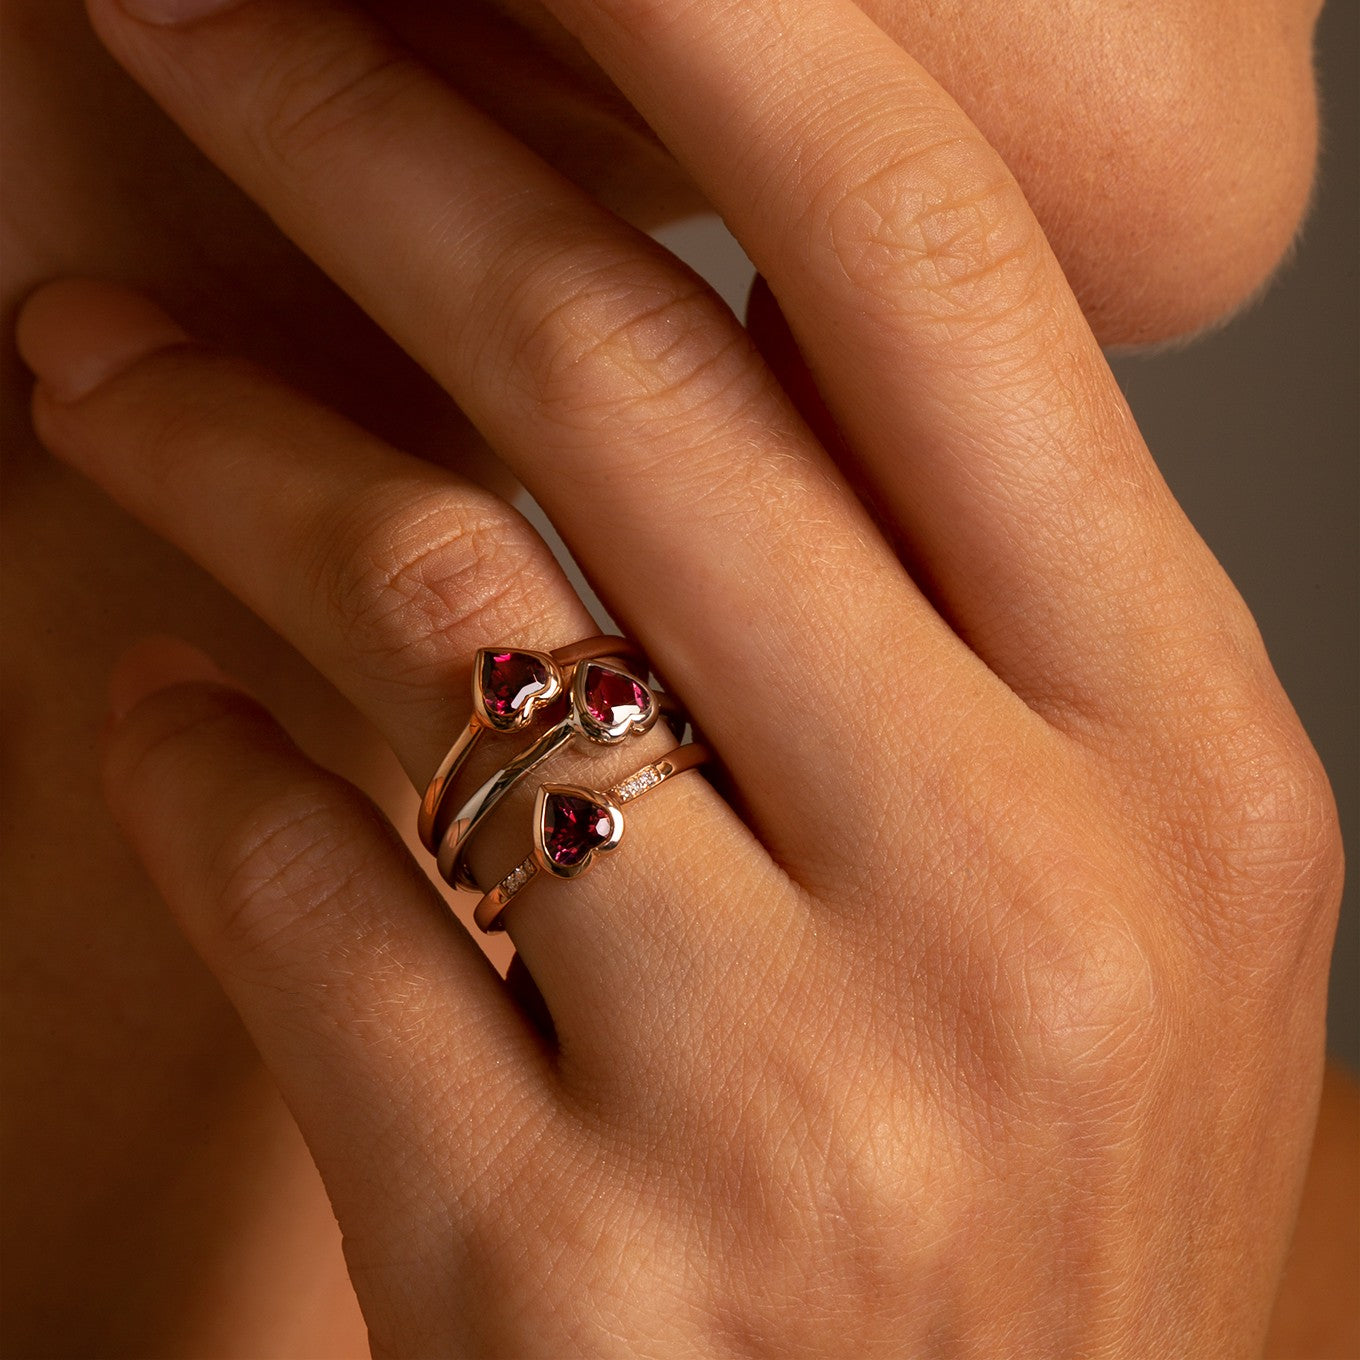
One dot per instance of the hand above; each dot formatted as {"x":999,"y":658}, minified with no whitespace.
{"x":993,"y":1025}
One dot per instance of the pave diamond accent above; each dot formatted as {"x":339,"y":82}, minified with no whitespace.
{"x":636,"y":784}
{"x":517,"y":878}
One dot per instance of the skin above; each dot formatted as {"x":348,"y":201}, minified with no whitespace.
{"x":1183,"y":277}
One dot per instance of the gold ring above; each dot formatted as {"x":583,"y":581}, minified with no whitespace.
{"x":509,"y":687}
{"x":573,"y":825}
{"x":607,"y":705}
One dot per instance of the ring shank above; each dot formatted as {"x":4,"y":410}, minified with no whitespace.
{"x":452,"y":867}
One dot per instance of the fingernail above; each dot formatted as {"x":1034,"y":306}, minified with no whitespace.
{"x":158,"y":663}
{"x":175,"y":11}
{"x":78,"y":333}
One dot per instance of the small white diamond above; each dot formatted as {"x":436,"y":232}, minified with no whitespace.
{"x":516,"y":879}
{"x":637,"y":783}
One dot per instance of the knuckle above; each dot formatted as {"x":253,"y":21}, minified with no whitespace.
{"x":302,"y":886}
{"x":1250,"y":832}
{"x":279,"y":870}
{"x":310,"y":99}
{"x":1275,"y":820}
{"x":157,"y":747}
{"x":940,"y":230}
{"x":1064,"y":989}
{"x":407,"y":584}
{"x":176,"y":400}
{"x":629,"y":340}
{"x":1070,"y":989}
{"x":1093,"y":1009}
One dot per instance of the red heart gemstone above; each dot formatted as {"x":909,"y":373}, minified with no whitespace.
{"x":613,"y":697}
{"x":573,"y":827}
{"x":510,"y":680}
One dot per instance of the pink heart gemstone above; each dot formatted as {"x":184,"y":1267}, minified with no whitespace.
{"x":613,"y":697}
{"x":573,"y":827}
{"x":510,"y":680}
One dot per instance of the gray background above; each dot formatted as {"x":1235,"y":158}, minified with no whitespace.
{"x":1257,"y":429}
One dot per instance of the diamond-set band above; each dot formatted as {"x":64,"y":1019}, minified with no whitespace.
{"x":637,"y":784}
{"x":572,"y":825}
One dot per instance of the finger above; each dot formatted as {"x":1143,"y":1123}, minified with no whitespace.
{"x":705,"y":514}
{"x":390,"y":1036}
{"x":941,"y":332}
{"x":388,"y":573}
{"x":384,"y":571}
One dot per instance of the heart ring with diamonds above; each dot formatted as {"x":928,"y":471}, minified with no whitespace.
{"x":573,"y":825}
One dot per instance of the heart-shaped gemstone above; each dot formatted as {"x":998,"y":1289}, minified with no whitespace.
{"x":573,"y":826}
{"x":615,"y":699}
{"x":510,"y":682}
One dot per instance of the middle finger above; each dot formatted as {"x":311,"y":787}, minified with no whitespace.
{"x":711,"y":522}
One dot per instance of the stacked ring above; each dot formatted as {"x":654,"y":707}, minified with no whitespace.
{"x":606,"y":706}
{"x":572,"y":825}
{"x":509,"y":687}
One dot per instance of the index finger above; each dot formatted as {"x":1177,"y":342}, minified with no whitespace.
{"x":941,"y":332}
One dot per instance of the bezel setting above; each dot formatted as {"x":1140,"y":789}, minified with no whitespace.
{"x":596,"y":799}
{"x":585,"y":722}
{"x":521,"y":716}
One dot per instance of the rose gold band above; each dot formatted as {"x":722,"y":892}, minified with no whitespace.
{"x":590,"y":715}
{"x":558,"y":666}
{"x":568,"y":858}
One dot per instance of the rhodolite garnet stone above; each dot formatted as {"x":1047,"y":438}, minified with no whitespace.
{"x":511,"y":681}
{"x":613,"y":697}
{"x":573,"y":826}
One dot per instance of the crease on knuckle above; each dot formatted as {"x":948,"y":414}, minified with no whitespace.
{"x":311,"y":100}
{"x":939,"y":232}
{"x":407,"y":585}
{"x":626,"y":344}
{"x":167,"y":732}
{"x":281,"y":870}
